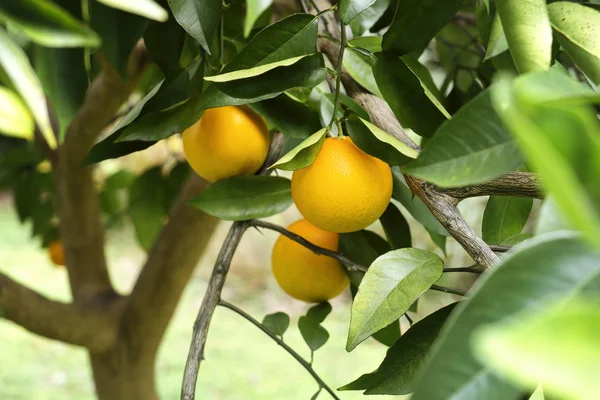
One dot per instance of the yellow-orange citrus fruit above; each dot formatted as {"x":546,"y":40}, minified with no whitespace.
{"x":225,"y":142}
{"x":344,"y":189}
{"x":56,"y":252}
{"x":303,"y":274}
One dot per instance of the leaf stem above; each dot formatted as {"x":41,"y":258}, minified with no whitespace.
{"x":338,"y":74}
{"x":448,"y":290}
{"x":473,"y":270}
{"x":280,"y":342}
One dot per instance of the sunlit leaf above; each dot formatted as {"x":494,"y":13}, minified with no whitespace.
{"x":304,"y":154}
{"x":15,"y":119}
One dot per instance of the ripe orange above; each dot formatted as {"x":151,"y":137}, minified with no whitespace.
{"x":344,"y":189}
{"x":56,"y":252}
{"x":225,"y":142}
{"x":303,"y":274}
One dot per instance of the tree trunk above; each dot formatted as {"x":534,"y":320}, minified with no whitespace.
{"x":120,"y":374}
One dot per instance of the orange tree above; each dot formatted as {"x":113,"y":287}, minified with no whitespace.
{"x":382,"y":109}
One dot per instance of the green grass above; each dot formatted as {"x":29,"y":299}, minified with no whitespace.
{"x":241,"y":361}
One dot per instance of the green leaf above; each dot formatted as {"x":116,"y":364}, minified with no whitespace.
{"x":414,"y":205}
{"x":107,"y":149}
{"x":388,"y":335}
{"x":245,"y":197}
{"x":368,"y":17}
{"x":146,"y":206}
{"x":472,"y":147}
{"x":505,"y":217}
{"x":376,"y":142}
{"x":277,"y":323}
{"x":15,"y":64}
{"x":349,"y":9}
{"x":396,"y":228}
{"x":545,"y":269}
{"x":319,"y":312}
{"x":497,"y":43}
{"x":528,"y":33}
{"x":403,"y":91}
{"x":144,"y":8}
{"x":199,"y":19}
{"x":304,"y":154}
{"x":15,"y":119}
{"x":578,"y":30}
{"x":363,"y":247}
{"x":346,"y":104}
{"x":392,"y":283}
{"x":290,"y":117}
{"x":369,"y":43}
{"x":254,"y":71}
{"x":360,"y":69}
{"x":254,"y":9}
{"x":416,"y":22}
{"x":47,"y":24}
{"x":120,"y":31}
{"x":550,"y":218}
{"x":399,"y":370}
{"x":165,"y":41}
{"x":304,"y":71}
{"x":561,"y":144}
{"x":313,"y":333}
{"x":535,"y":347}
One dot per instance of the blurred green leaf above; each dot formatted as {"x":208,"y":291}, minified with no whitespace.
{"x":374,"y":141}
{"x":313,"y":333}
{"x":396,"y":228}
{"x":406,"y":95}
{"x":473,"y":147}
{"x":290,"y":117}
{"x":505,"y":217}
{"x":392,"y":283}
{"x":144,"y":8}
{"x":399,"y":370}
{"x":245,"y":197}
{"x":146,"y":206}
{"x":277,"y":323}
{"x":416,"y":22}
{"x":536,"y":347}
{"x":200,"y":20}
{"x":47,"y":24}
{"x":550,"y":218}
{"x":528,"y":33}
{"x":107,"y":149}
{"x":164,"y":41}
{"x":15,"y":119}
{"x":304,"y":154}
{"x":545,"y":269}
{"x":578,"y":32}
{"x":120,"y":31}
{"x":254,"y":9}
{"x":16,"y":65}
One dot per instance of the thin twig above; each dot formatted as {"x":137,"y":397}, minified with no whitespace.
{"x":448,"y":290}
{"x":464,"y":269}
{"x":351,"y":265}
{"x":280,"y":342}
{"x":338,"y":76}
{"x":499,"y":248}
{"x":409,"y":319}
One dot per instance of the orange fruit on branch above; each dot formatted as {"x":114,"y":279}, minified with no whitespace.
{"x":344,"y":189}
{"x":225,"y":142}
{"x":56,"y":252}
{"x":303,"y":274}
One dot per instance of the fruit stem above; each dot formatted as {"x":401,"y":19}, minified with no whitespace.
{"x":280,"y":342}
{"x":338,"y":73}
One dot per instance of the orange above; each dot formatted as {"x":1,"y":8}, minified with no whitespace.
{"x":303,"y":274}
{"x":344,"y":189}
{"x":56,"y":252}
{"x":225,"y":142}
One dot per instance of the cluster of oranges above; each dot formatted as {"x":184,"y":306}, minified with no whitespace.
{"x":343,"y":190}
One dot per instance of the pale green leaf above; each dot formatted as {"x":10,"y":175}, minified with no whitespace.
{"x":15,"y":119}
{"x":304,"y":154}
{"x":252,"y":72}
{"x":254,"y":9}
{"x":145,"y":8}
{"x":349,"y":9}
{"x":497,"y":43}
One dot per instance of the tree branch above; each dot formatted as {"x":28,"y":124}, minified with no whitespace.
{"x":95,"y":328}
{"x":350,"y":265}
{"x":519,"y":184}
{"x":280,"y":342}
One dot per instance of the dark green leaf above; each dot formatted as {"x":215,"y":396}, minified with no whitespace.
{"x":346,"y":103}
{"x":144,"y":8}
{"x":319,"y":312}
{"x":546,"y":269}
{"x":388,"y":335}
{"x":473,"y":147}
{"x":505,"y":217}
{"x":47,"y":24}
{"x":16,"y":65}
{"x":468,"y":57}
{"x":120,"y":31}
{"x":199,"y":19}
{"x":164,"y":41}
{"x":146,"y":206}
{"x":313,"y":333}
{"x":108,"y":149}
{"x":245,"y":197}
{"x":396,"y":228}
{"x":304,"y":154}
{"x":290,"y":117}
{"x":416,"y":22}
{"x":406,"y":96}
{"x":351,"y":8}
{"x":374,"y":141}
{"x":392,"y":283}
{"x":362,"y":247}
{"x":277,"y":323}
